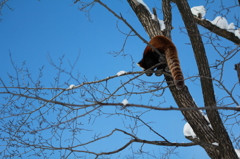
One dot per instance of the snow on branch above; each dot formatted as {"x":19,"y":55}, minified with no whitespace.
{"x":147,"y":18}
{"x":217,"y":30}
{"x":237,"y":152}
{"x":121,"y":73}
{"x":188,"y":131}
{"x":125,"y":102}
{"x":218,"y":26}
{"x":198,"y":11}
{"x":161,"y":22}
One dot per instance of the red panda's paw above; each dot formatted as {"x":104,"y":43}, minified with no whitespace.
{"x":159,"y":72}
{"x":149,"y":72}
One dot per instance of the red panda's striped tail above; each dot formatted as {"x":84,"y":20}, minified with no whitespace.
{"x":174,"y":67}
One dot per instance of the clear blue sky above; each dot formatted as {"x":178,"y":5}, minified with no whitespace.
{"x":35,"y":30}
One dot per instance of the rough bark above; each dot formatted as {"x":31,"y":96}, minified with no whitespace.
{"x":225,"y":144}
{"x":145,"y":17}
{"x":167,"y":14}
{"x":183,"y":98}
{"x":237,"y":68}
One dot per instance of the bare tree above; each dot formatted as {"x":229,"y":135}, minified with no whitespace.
{"x":28,"y":105}
{"x":2,"y":3}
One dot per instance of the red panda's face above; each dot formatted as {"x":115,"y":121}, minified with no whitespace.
{"x":140,"y":66}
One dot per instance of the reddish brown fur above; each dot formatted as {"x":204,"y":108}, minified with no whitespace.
{"x":163,"y":45}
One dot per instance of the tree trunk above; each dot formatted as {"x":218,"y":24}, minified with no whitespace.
{"x":206,"y":136}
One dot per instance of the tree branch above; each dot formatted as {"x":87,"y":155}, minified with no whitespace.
{"x":215,"y":29}
{"x":167,"y":12}
{"x":206,"y":81}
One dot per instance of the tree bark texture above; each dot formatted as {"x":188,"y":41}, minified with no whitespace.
{"x":145,"y":17}
{"x":225,"y":144}
{"x":206,"y":136}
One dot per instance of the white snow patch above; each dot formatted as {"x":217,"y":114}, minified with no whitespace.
{"x":137,"y":2}
{"x":237,"y":152}
{"x":201,"y":111}
{"x":206,"y":117}
{"x":237,"y":33}
{"x":162,"y":25}
{"x":121,"y":73}
{"x":155,"y":18}
{"x":125,"y":102}
{"x":161,"y":22}
{"x":215,"y":143}
{"x":188,"y":131}
{"x":71,"y":86}
{"x":198,"y":10}
{"x":231,"y":27}
{"x":221,"y":22}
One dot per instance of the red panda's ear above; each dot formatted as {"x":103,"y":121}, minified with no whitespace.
{"x":147,"y":50}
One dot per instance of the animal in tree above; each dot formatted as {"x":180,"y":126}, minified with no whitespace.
{"x":150,"y":58}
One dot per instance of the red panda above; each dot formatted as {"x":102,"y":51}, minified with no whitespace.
{"x":151,"y":58}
